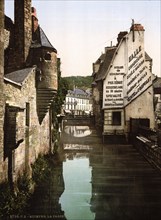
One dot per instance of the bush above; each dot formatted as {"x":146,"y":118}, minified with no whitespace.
{"x":14,"y":202}
{"x":40,"y":170}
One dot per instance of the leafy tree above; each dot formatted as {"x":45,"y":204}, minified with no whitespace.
{"x":81,"y":82}
{"x":63,"y":88}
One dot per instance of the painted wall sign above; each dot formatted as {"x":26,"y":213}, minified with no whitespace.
{"x":129,"y":75}
{"x":138,"y":77}
{"x":113,"y":91}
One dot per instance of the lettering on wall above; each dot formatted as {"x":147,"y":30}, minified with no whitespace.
{"x":138,"y":78}
{"x":114,"y":88}
{"x":123,"y":86}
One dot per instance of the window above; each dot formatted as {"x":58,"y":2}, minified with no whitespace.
{"x":109,"y":118}
{"x":116,"y":118}
{"x":47,"y":56}
{"x":113,"y":118}
{"x":27,"y":114}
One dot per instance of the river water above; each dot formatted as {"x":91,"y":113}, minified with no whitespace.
{"x":94,"y":181}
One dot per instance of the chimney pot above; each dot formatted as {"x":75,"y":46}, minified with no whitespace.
{"x":137,"y":27}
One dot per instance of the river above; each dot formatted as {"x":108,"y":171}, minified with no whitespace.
{"x":95,"y":181}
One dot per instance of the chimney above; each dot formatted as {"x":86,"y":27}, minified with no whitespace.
{"x":34,"y":20}
{"x":137,"y":27}
{"x":120,"y":36}
{"x":23,"y":31}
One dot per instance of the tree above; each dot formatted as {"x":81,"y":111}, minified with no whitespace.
{"x":61,"y":93}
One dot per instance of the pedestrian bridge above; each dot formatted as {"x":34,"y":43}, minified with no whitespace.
{"x":78,"y":120}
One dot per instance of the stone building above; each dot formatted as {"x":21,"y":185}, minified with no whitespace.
{"x":122,"y":85}
{"x":30,"y":85}
{"x":3,"y":171}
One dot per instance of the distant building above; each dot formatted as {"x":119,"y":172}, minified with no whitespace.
{"x":78,"y":102}
{"x":122,"y":84}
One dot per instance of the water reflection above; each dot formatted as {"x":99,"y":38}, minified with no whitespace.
{"x":77,"y":147}
{"x":76,"y":198}
{"x":123,"y":185}
{"x":99,"y":182}
{"x":78,"y":131}
{"x":44,"y":203}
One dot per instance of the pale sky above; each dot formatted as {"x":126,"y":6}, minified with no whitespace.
{"x":80,"y":30}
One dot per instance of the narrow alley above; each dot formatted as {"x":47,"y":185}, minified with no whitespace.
{"x":95,"y":181}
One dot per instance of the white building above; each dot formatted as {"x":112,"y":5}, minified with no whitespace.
{"x":126,"y":76}
{"x":78,"y":102}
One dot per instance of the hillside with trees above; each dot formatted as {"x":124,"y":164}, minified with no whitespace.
{"x":82,"y":82}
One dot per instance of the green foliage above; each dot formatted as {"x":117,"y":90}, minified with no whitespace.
{"x":60,"y":97}
{"x":14,"y":203}
{"x":58,"y":101}
{"x":5,"y":199}
{"x":81,"y":82}
{"x":39,"y":170}
{"x":24,"y":183}
{"x":63,"y":88}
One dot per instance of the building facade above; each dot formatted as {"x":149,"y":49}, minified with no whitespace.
{"x":3,"y":169}
{"x":125,"y":76}
{"x":78,"y":102}
{"x":30,"y":85}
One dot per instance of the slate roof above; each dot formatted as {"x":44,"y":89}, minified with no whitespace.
{"x":18,"y":76}
{"x":42,"y":41}
{"x":101,"y":74}
{"x":157,"y":84}
{"x":100,"y":59}
{"x":105,"y":65}
{"x":79,"y":92}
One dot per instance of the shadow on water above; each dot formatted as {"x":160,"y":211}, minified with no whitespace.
{"x":44,"y":203}
{"x":98,"y":182}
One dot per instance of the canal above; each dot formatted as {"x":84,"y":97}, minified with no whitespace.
{"x":95,"y":181}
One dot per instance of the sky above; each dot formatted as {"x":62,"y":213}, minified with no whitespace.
{"x":80,"y":30}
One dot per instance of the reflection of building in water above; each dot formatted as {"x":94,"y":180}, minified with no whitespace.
{"x":78,"y":131}
{"x":73,"y":154}
{"x":45,"y":200}
{"x":118,"y":190}
{"x":76,"y":147}
{"x":78,"y":102}
{"x":122,"y":84}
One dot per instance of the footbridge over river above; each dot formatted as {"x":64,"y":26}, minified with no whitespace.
{"x":78,"y":120}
